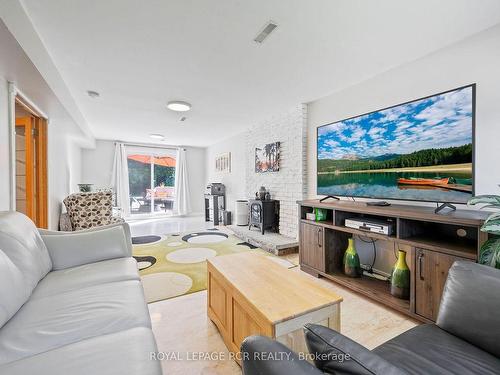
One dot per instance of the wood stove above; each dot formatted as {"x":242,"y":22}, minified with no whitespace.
{"x":264,"y":214}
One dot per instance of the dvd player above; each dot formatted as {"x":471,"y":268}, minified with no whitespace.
{"x":371,"y":225}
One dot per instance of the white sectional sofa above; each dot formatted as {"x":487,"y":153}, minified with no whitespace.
{"x":71,"y":303}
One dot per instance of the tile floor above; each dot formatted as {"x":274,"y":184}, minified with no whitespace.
{"x":168,"y":225}
{"x":183,"y":330}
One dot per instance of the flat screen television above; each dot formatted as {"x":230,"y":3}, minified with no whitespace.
{"x":422,"y":150}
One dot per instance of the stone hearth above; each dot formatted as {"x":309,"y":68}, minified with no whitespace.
{"x":273,"y":242}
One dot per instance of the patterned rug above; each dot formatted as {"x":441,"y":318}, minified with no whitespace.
{"x":175,"y":264}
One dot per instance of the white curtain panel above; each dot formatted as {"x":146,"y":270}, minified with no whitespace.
{"x":119,"y":179}
{"x":182,"y":204}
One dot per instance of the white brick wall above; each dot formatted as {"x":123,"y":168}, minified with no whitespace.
{"x":288,"y":184}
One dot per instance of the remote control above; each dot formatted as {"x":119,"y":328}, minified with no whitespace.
{"x":378,"y":203}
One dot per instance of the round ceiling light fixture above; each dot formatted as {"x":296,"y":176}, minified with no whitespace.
{"x":93,"y":94}
{"x":178,"y":106}
{"x":157,"y":136}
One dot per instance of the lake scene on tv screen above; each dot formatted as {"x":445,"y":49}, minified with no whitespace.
{"x":421,"y":150}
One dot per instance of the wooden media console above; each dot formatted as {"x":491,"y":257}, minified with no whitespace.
{"x":432,"y":243}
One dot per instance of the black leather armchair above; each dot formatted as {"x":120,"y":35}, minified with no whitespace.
{"x":464,"y":340}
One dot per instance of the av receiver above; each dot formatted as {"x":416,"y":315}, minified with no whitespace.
{"x":371,"y":225}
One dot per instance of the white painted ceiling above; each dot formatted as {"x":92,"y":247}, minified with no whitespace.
{"x":16,"y":67}
{"x":141,"y":54}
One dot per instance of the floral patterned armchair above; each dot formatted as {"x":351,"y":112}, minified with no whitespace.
{"x":88,"y":210}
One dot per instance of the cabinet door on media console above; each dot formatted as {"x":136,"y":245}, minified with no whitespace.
{"x":431,"y":272}
{"x":312,"y":250}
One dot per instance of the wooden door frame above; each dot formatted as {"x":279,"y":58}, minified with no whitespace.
{"x":41,"y":124}
{"x":42,"y":175}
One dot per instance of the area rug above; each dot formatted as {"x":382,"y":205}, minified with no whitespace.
{"x":176,"y":264}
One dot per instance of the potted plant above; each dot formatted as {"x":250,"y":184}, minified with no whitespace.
{"x":490,"y":251}
{"x":85,"y":188}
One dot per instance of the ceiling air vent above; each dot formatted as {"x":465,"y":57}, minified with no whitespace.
{"x":268,"y":29}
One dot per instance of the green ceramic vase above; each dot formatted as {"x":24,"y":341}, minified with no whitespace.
{"x":400,"y":278}
{"x":320,"y":214}
{"x":352,"y":267}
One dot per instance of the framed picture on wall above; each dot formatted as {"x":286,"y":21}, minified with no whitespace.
{"x":223,"y":162}
{"x":267,"y":158}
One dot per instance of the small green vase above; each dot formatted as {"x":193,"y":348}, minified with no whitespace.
{"x":400,"y":278}
{"x":320,"y":214}
{"x":352,"y":267}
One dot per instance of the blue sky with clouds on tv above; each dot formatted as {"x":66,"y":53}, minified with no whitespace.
{"x":440,"y":121}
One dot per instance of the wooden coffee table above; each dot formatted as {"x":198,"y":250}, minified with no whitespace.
{"x":250,"y":294}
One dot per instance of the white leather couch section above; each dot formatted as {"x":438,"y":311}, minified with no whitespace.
{"x":125,"y":352}
{"x":21,"y":242}
{"x":91,"y":274}
{"x":71,"y":303}
{"x":50,"y":322}
{"x":11,"y":279}
{"x":70,"y":249}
